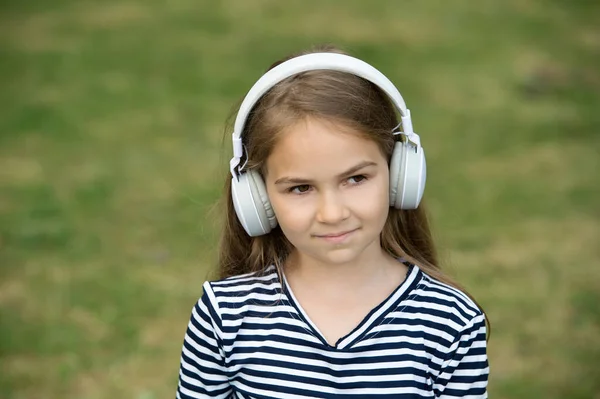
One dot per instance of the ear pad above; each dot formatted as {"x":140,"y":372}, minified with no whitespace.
{"x":408,"y":173}
{"x":395,"y":168}
{"x":252,"y":205}
{"x":259,"y":193}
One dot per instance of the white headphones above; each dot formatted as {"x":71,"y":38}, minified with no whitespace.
{"x":407,"y":165}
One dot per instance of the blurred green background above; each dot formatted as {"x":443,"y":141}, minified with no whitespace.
{"x":112,"y":157}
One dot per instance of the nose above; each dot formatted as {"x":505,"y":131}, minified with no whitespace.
{"x":332,"y":208}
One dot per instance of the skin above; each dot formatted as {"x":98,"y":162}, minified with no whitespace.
{"x":329,"y":188}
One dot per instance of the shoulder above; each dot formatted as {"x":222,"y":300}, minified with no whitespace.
{"x":244,"y":283}
{"x":445,"y":302}
{"x":237,"y":292}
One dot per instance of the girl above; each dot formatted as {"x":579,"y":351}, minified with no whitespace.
{"x":329,"y":287}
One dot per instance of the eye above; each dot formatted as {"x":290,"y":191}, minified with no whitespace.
{"x":354,"y":180}
{"x":301,"y":189}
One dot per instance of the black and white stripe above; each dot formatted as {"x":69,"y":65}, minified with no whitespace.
{"x":248,"y":338}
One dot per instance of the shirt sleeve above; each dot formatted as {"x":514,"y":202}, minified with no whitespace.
{"x":465,"y":370}
{"x":202,"y":372}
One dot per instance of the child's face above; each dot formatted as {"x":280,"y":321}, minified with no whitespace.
{"x":329,"y":189}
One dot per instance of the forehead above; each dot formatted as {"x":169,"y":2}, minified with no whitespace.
{"x":316,"y":149}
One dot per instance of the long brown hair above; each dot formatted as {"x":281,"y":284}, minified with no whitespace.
{"x":353,"y":102}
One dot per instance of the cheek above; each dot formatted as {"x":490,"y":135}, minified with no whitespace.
{"x":375,"y":198}
{"x":291,"y":215}
{"x":373,"y":208}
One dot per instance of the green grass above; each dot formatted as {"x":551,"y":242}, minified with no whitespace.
{"x":111,"y":159}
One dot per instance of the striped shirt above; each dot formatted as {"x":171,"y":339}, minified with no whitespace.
{"x":249,"y":338}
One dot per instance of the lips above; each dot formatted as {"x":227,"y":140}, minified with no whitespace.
{"x":336,"y":237}
{"x":334,"y":234}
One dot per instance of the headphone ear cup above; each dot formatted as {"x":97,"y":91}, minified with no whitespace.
{"x":251,"y":203}
{"x":408,"y":173}
{"x":414,"y":178}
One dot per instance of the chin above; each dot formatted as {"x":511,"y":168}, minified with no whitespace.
{"x":339,"y":257}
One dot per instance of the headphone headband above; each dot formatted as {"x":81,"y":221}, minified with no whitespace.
{"x":311,"y":62}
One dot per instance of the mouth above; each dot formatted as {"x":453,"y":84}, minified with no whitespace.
{"x":336,"y":237}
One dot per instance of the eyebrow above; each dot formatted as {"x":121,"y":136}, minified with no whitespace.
{"x":352,"y":170}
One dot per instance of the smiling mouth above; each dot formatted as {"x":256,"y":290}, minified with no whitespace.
{"x":335,"y":234}
{"x":336,"y":237}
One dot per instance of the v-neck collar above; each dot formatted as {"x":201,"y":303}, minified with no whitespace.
{"x":372,"y":319}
